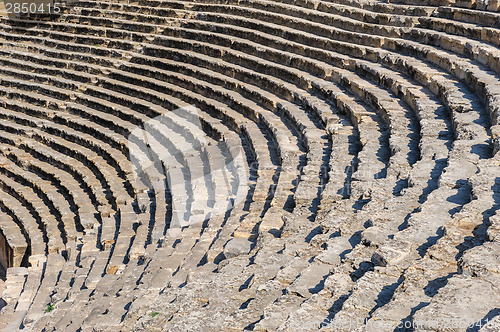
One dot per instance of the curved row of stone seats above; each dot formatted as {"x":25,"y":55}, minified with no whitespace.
{"x":161,"y":15}
{"x":55,"y":238}
{"x":13,"y":242}
{"x":47,"y":55}
{"x":418,"y":8}
{"x":489,"y":5}
{"x":78,"y":152}
{"x":95,"y":54}
{"x":414,"y":234}
{"x":482,"y":18}
{"x":94,"y":43}
{"x":359,"y":12}
{"x":430,"y":2}
{"x":453,"y":23}
{"x":155,"y":85}
{"x":171,"y":240}
{"x":114,"y":158}
{"x":57,"y":204}
{"x":92,"y":11}
{"x":469,"y":30}
{"x":46,"y":69}
{"x":459,"y":238}
{"x":414,"y":104}
{"x":378,"y":6}
{"x":407,"y":194}
{"x":20,"y":290}
{"x":138,"y":30}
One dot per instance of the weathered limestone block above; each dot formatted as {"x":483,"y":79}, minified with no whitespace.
{"x":374,"y":236}
{"x":481,"y":260}
{"x":334,"y":250}
{"x":309,"y":281}
{"x":464,"y":300}
{"x":237,"y":246}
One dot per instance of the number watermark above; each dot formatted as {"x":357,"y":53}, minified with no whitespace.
{"x":375,"y":325}
{"x":31,"y":9}
{"x":17,"y":8}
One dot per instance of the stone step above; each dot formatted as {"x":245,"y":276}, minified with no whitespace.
{"x":78,"y":151}
{"x":13,"y":242}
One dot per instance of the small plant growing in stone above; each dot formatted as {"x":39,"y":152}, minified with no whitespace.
{"x":154,"y":314}
{"x":49,"y":307}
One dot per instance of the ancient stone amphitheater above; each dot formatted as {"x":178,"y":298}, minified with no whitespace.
{"x":330,"y":165}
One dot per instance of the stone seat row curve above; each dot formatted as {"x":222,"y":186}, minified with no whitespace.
{"x":276,"y":165}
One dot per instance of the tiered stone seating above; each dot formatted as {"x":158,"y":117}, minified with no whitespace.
{"x":13,"y":243}
{"x":275,"y":165}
